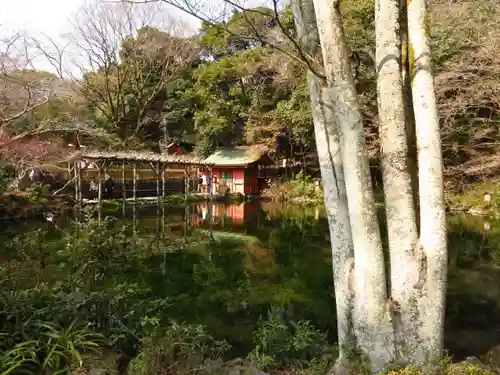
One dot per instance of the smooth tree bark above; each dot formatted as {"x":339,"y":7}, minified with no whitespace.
{"x":332,"y":175}
{"x":433,"y":244}
{"x":372,"y":308}
{"x":398,"y":192}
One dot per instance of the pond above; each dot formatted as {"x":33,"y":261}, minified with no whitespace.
{"x":224,"y":267}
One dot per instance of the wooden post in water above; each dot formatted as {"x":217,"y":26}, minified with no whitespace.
{"x":163,"y":221}
{"x":134,"y":182}
{"x":186,"y":220}
{"x":158,"y":181}
{"x":134,"y":225}
{"x":124,"y":192}
{"x":157,"y":236}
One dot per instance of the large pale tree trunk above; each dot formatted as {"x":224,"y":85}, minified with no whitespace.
{"x":332,"y":174}
{"x":399,"y":203}
{"x":430,"y":165}
{"x":371,"y":316}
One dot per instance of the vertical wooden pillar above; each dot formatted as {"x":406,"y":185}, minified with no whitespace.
{"x":105,"y":172}
{"x":186,"y":183}
{"x":158,"y":181}
{"x":163,"y":181}
{"x":211,"y":177}
{"x":74,"y":175}
{"x":124,"y":191}
{"x":79,"y":184}
{"x":99,"y":192}
{"x":99,"y":185}
{"x":165,"y":166}
{"x":134,"y":182}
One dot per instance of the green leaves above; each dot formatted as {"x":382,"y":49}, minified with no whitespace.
{"x":282,"y":342}
{"x":51,"y":349}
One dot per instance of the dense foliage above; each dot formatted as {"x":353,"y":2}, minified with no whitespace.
{"x":157,"y":302}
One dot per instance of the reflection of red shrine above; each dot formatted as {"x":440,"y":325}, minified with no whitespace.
{"x":223,"y":214}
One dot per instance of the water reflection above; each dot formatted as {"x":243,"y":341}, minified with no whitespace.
{"x":225,"y":265}
{"x":284,"y":234}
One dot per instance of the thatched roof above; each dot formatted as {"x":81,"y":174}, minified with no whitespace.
{"x":237,"y":156}
{"x":140,"y":157}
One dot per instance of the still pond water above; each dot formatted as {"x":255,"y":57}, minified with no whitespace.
{"x":262,"y":256}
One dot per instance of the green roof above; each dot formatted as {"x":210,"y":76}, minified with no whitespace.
{"x":234,"y":156}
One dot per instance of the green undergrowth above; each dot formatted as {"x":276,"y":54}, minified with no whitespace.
{"x":302,"y":189}
{"x":92,"y":300}
{"x":71,"y":301}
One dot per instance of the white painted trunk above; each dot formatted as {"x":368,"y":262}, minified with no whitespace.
{"x":398,"y":193}
{"x":332,"y":176}
{"x":430,"y":165}
{"x":371,"y":316}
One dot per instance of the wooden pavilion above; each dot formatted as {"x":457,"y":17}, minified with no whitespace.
{"x":159,"y":163}
{"x":238,"y":168}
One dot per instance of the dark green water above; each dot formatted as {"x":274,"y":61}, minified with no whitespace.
{"x":224,"y":267}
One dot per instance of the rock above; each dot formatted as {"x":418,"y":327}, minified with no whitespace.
{"x":471,"y":365}
{"x":492,"y":358}
{"x":476,"y":211}
{"x":243,"y":367}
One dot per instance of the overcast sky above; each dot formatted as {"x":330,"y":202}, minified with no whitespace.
{"x":49,"y":17}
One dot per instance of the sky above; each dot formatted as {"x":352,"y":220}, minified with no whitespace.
{"x":35,"y":17}
{"x":48,"y":17}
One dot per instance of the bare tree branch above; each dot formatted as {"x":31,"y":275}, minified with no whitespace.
{"x":125,"y":56}
{"x":22,"y":90}
{"x":291,"y":49}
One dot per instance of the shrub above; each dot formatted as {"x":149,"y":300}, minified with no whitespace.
{"x":281,"y":343}
{"x":303,"y":188}
{"x":179,"y":349}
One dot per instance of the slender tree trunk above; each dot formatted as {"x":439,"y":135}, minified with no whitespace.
{"x":399,"y":204}
{"x":332,"y":174}
{"x":430,"y":165}
{"x":371,"y":314}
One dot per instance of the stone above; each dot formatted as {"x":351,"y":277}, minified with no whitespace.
{"x":471,"y":365}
